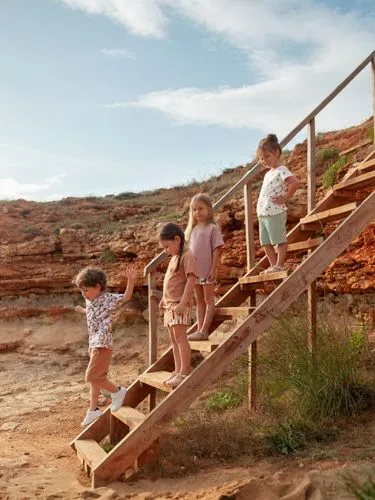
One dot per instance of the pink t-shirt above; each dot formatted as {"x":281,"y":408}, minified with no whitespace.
{"x":202,"y":242}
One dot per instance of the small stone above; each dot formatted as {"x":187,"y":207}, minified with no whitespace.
{"x":89,"y":494}
{"x":9,"y":426}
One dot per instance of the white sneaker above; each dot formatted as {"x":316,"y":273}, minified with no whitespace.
{"x":117,"y":399}
{"x":91,"y":415}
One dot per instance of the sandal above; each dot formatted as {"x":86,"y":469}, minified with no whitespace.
{"x":171,"y":376}
{"x":198,"y":336}
{"x":176,"y":381}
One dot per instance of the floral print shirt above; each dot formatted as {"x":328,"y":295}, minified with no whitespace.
{"x":99,"y":319}
{"x":273,"y":185}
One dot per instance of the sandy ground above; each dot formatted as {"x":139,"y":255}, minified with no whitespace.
{"x":43,"y":399}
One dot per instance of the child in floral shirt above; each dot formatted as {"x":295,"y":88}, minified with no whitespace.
{"x":99,"y":306}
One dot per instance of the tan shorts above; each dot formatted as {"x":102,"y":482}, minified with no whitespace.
{"x":171,"y":318}
{"x":98,"y":366}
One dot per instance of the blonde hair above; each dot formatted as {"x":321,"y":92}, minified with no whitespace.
{"x":269,"y":143}
{"x":204,"y":198}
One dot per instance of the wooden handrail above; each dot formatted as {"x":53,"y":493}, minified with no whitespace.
{"x":257,"y":167}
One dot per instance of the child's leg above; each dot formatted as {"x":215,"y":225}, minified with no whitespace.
{"x":209,"y":298}
{"x":281,"y":254}
{"x":201,"y":305}
{"x":179,"y":333}
{"x":176,"y":350}
{"x":271,"y":254}
{"x":94,"y":395}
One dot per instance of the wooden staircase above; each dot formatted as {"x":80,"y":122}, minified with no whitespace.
{"x":134,"y":433}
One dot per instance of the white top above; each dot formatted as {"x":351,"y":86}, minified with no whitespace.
{"x":273,"y":185}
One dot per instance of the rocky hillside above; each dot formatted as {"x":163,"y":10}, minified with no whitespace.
{"x":43,"y":245}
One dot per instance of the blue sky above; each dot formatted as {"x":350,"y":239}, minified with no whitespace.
{"x":106,"y":96}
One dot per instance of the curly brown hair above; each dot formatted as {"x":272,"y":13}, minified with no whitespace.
{"x":90,"y":277}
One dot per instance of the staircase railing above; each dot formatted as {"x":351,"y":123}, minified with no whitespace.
{"x":246,"y":183}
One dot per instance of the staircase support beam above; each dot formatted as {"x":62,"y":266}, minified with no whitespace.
{"x":278,"y":301}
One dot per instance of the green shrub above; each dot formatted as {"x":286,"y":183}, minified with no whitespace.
{"x":361,"y":489}
{"x":287,"y":438}
{"x":331,"y":385}
{"x":108,"y":255}
{"x":127,"y":195}
{"x":330,"y":175}
{"x":327,"y":154}
{"x":370,"y":133}
{"x":221,"y":401}
{"x":76,"y":225}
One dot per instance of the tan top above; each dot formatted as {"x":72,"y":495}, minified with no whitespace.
{"x":174,"y":282}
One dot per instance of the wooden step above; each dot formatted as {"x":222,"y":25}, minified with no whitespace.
{"x":129,"y":416}
{"x":203,"y":345}
{"x":233,"y":311}
{"x":89,"y":452}
{"x":261,"y":278}
{"x":304,"y":245}
{"x":360,"y":182}
{"x":357,"y":146}
{"x":366,"y":165}
{"x":156,"y":379}
{"x":331,"y":214}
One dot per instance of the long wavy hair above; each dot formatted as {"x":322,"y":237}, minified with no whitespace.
{"x":204,"y":198}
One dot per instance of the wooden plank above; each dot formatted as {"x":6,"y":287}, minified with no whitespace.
{"x":203,"y":345}
{"x":304,"y":245}
{"x":212,"y":366}
{"x":362,"y":181}
{"x":156,"y":379}
{"x":311,"y":166}
{"x":357,"y":146}
{"x":98,"y":430}
{"x":90,"y":452}
{"x":129,"y":416}
{"x":233,"y":311}
{"x":152,"y":330}
{"x":331,"y":214}
{"x":366,"y":165}
{"x":261,"y":278}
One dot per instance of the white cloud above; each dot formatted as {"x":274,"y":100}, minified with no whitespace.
{"x":11,"y":188}
{"x":298,"y":51}
{"x":142,"y":17}
{"x":118,"y":53}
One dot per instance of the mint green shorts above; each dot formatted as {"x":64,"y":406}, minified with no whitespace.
{"x":272,"y":229}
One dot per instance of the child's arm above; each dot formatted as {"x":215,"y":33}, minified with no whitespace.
{"x":80,"y":309}
{"x":131,"y":274}
{"x":215,"y":260}
{"x":188,"y":292}
{"x":292,"y":184}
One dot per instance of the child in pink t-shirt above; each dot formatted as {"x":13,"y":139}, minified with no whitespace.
{"x":205,"y":240}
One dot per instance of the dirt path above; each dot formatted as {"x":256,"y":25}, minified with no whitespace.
{"x":43,"y":399}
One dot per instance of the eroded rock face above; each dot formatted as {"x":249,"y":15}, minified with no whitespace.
{"x":43,"y":245}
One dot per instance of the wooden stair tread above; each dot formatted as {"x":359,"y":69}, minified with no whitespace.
{"x":129,"y":416}
{"x":305,"y":244}
{"x":233,"y":311}
{"x":156,"y":379}
{"x":362,"y":181}
{"x":367,"y":165}
{"x":260,"y":278}
{"x":203,"y":345}
{"x":331,"y":214}
{"x":90,"y":452}
{"x":357,"y":146}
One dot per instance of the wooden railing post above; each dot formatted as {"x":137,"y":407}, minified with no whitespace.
{"x":373,"y":93}
{"x":311,"y":202}
{"x":250,"y":262}
{"x":152,"y":328}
